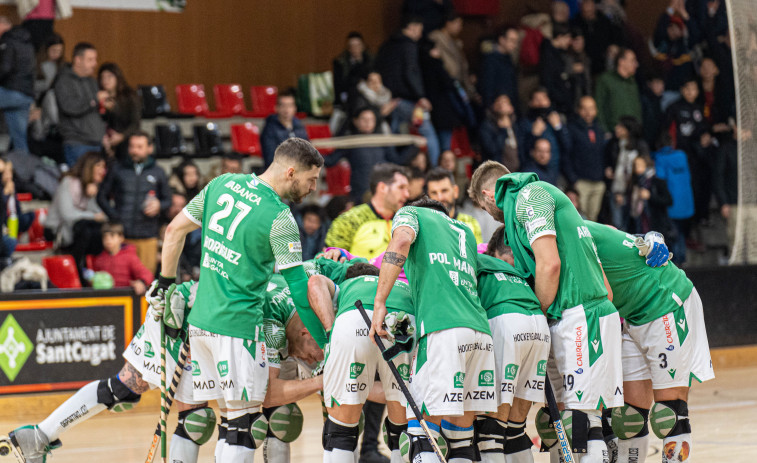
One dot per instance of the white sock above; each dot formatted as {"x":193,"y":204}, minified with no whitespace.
{"x":554,"y":454}
{"x":633,"y":450}
{"x":492,"y":457}
{"x":524,"y":456}
{"x":596,"y":452}
{"x":237,"y":454}
{"x":219,"y":450}
{"x":396,"y":456}
{"x":275,"y":451}
{"x":79,"y":407}
{"x":676,"y":448}
{"x":183,"y":450}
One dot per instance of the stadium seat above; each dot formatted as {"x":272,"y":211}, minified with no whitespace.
{"x":207,"y":138}
{"x":154,"y":101}
{"x":230,"y":100}
{"x":338,"y":179}
{"x":191,"y":100}
{"x":316,"y":131}
{"x":62,"y":271}
{"x":36,"y":234}
{"x":245,"y":139}
{"x":263,"y":98}
{"x":460,"y":144}
{"x":169,"y":141}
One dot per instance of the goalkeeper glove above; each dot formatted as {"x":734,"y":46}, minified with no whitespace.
{"x":156,"y":295}
{"x":652,"y":246}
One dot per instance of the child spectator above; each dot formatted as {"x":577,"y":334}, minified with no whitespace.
{"x":313,"y":230}
{"x":121,"y":261}
{"x":650,"y":199}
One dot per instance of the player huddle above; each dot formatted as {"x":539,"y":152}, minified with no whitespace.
{"x":478,"y":337}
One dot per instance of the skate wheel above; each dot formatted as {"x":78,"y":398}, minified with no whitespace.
{"x":5,"y":449}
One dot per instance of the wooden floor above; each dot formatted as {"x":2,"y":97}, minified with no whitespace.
{"x":723,"y":414}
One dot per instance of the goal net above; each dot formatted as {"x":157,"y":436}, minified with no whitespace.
{"x":742,"y":18}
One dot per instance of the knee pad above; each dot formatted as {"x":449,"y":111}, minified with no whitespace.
{"x":545,"y":429}
{"x":196,"y":425}
{"x":115,"y":395}
{"x":629,"y":421}
{"x":248,"y":430}
{"x":580,"y":428}
{"x":392,"y":433}
{"x":412,"y":445}
{"x":284,"y":422}
{"x":223,"y":427}
{"x":337,"y":436}
{"x":517,"y":439}
{"x":490,"y":434}
{"x":670,"y":418}
{"x":459,"y":441}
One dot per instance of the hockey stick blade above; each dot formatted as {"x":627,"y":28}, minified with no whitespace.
{"x":401,"y":383}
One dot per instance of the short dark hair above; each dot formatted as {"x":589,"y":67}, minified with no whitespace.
{"x":355,"y":35}
{"x":384,"y":173}
{"x":451,"y":16}
{"x":502,"y":31}
{"x":497,"y":243}
{"x":288,"y":92}
{"x":410,"y":19}
{"x":439,"y":173}
{"x":231,"y":156}
{"x":621,"y":54}
{"x":141,"y":133}
{"x":537,"y":90}
{"x":300,"y":151}
{"x":361,"y":269}
{"x":429,"y":203}
{"x":560,"y":29}
{"x":81,"y":47}
{"x":312,"y":209}
{"x":112,"y":227}
{"x":415,"y":173}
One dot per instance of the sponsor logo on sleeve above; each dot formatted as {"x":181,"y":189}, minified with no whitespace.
{"x":196,"y":368}
{"x":295,"y":247}
{"x":356,"y":369}
{"x":511,"y":371}
{"x":223,"y":368}
{"x":536,"y":223}
{"x":486,"y":378}
{"x":458,"y":380}
{"x":541,"y":368}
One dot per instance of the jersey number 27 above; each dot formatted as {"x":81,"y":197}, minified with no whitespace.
{"x":228,"y":203}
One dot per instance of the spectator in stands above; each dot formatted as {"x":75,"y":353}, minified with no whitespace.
{"x":650,"y":199}
{"x":431,"y":12}
{"x":539,"y":162}
{"x":50,"y":60}
{"x":673,"y":167}
{"x":352,"y":65}
{"x":448,"y":161}
{"x":280,"y":126}
{"x":120,"y":260}
{"x":559,"y":12}
{"x":440,"y":185}
{"x":675,"y":35}
{"x":584,"y":161}
{"x":617,"y":93}
{"x":231,"y":163}
{"x":599,"y":34}
{"x":498,"y":134}
{"x":420,"y":161}
{"x":74,"y":217}
{"x":139,"y":191}
{"x":17,"y":65}
{"x":622,"y":149}
{"x":364,"y":230}
{"x":417,"y":184}
{"x":399,"y":65}
{"x":651,"y":107}
{"x":575,"y":198}
{"x":44,"y":138}
{"x":450,"y":109}
{"x":717,"y":97}
{"x":579,"y":65}
{"x":447,"y":40}
{"x":372,"y":92}
{"x":313,"y":229}
{"x":337,"y":206}
{"x":726,"y":184}
{"x":362,"y":159}
{"x":555,"y":68}
{"x":13,"y":218}
{"x":39,"y":17}
{"x":186,"y":179}
{"x":542,"y":121}
{"x":79,"y":102}
{"x":122,"y":109}
{"x":499,"y":75}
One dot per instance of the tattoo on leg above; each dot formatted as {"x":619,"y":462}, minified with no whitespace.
{"x":394,"y":258}
{"x":133,"y":379}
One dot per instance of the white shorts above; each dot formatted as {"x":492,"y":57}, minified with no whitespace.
{"x":352,"y":362}
{"x":232,"y":369}
{"x":672,"y":349}
{"x":521,"y":348}
{"x":585,"y":366}
{"x":143,"y":354}
{"x":453,"y":372}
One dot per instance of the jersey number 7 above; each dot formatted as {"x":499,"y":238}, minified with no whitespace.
{"x":461,"y":232}
{"x":228,"y":203}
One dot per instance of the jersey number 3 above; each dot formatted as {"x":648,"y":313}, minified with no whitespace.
{"x":228,"y":203}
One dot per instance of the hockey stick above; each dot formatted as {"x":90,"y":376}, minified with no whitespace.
{"x":403,"y":387}
{"x":163,"y":408}
{"x":180,"y":364}
{"x":562,"y":438}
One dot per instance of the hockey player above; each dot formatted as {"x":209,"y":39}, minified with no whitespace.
{"x":551,"y":244}
{"x":453,"y":369}
{"x":521,"y":347}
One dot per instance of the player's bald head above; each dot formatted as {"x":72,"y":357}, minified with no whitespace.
{"x":298,"y":153}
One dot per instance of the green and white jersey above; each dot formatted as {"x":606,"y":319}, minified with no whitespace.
{"x":534,"y":209}
{"x":640,"y":293}
{"x":363,"y":288}
{"x":246,"y":229}
{"x":279,"y":309}
{"x":503,"y":290}
{"x":441,"y":268}
{"x":333,"y":270}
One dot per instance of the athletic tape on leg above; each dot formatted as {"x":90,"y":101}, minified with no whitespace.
{"x":517,"y":439}
{"x":459,"y":441}
{"x":490,"y":434}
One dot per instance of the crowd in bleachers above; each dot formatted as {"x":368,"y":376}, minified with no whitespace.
{"x":639,"y":131}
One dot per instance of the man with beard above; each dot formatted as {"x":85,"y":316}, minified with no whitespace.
{"x":440,"y":185}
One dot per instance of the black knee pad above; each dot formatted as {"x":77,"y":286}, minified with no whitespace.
{"x":223,"y":427}
{"x":247,"y":431}
{"x":517,"y":439}
{"x":459,"y":446}
{"x":579,"y":430}
{"x":196,"y":424}
{"x":490,"y":435}
{"x":392,"y":433}
{"x":336,"y":436}
{"x":662,"y":418}
{"x":115,"y":395}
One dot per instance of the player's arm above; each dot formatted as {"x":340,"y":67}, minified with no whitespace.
{"x":321,"y":292}
{"x":282,"y":391}
{"x":173,"y":243}
{"x":607,"y":283}
{"x":547,"y":278}
{"x":391,"y":266}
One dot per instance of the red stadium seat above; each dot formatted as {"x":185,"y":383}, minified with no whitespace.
{"x":245,"y":139}
{"x":316,"y":131}
{"x":263,"y":98}
{"x":191,"y":99}
{"x":230,"y":100}
{"x":338,"y":179}
{"x":36,"y":234}
{"x":460,"y":143}
{"x":62,"y":271}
